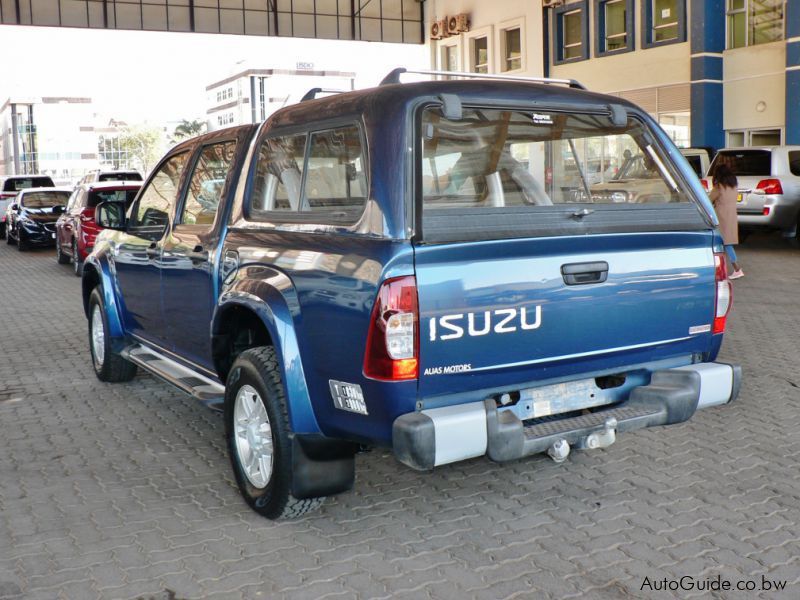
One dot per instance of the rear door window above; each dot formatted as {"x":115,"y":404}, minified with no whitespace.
{"x":745,"y":163}
{"x":208,"y":183}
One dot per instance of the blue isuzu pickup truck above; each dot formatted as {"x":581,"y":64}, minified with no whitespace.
{"x":429,"y":267}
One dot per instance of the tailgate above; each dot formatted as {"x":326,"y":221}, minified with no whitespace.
{"x":501,"y":313}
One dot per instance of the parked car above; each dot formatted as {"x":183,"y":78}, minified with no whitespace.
{"x":31,"y":217}
{"x":99,"y":175}
{"x":388,"y":267}
{"x":10,"y":186}
{"x":698,"y":158}
{"x":769,"y":187}
{"x":76,"y":229}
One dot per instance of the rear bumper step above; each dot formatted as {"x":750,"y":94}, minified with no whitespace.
{"x":430,"y":438}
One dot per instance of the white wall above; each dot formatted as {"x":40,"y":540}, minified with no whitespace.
{"x":754,"y":87}
{"x":490,"y":18}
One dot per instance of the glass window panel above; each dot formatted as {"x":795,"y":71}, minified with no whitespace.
{"x":573,"y":46}
{"x":279,"y":174}
{"x":335,"y":179}
{"x":480,"y":55}
{"x":152,"y":210}
{"x":492,"y":159}
{"x":616,"y":37}
{"x":766,"y":21}
{"x":665,"y":20}
{"x":207,"y":184}
{"x":513,"y":49}
{"x":794,"y":162}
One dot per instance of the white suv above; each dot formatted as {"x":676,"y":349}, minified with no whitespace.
{"x":769,"y":186}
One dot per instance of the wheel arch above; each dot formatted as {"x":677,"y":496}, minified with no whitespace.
{"x":96,"y":274}
{"x":254,"y":313}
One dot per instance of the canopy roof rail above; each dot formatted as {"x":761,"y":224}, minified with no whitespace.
{"x":394,"y":77}
{"x":312,"y":93}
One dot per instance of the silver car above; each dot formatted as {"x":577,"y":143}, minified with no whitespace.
{"x":769,"y":186}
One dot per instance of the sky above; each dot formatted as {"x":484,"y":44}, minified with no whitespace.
{"x":139,"y":76}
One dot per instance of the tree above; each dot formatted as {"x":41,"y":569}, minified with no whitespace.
{"x":188,"y":129}
{"x":144,"y":143}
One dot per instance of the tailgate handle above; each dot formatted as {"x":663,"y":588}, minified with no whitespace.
{"x":584,"y":273}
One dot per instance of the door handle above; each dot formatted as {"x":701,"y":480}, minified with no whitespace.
{"x":198,"y":254}
{"x":152,"y":251}
{"x":585,"y":273}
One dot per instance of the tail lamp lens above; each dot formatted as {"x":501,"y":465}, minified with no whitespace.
{"x":393,"y":342}
{"x":724,"y":297}
{"x":704,"y":183}
{"x":770,"y":186}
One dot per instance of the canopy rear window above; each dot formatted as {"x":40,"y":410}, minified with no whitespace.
{"x":529,"y":166}
{"x":132,"y":176}
{"x":14,"y":184}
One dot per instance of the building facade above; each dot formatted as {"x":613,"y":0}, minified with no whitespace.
{"x":51,"y":135}
{"x":254,"y":94}
{"x":713,"y":73}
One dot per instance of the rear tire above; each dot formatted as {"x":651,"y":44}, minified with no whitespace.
{"x":62,"y":258}
{"x":257,"y":435}
{"x":108,"y":366}
{"x":77,"y":263}
{"x":2,"y":230}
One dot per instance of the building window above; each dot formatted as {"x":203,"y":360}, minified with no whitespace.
{"x":614,"y":32}
{"x":449,"y":55}
{"x":665,"y":20}
{"x":512,"y":49}
{"x":752,"y":22}
{"x":571,"y":32}
{"x":754,"y":137}
{"x":479,"y":55}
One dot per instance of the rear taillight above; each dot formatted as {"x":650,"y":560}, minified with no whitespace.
{"x":770,"y":186}
{"x":392,"y":341}
{"x":724,"y":293}
{"x":704,"y":183}
{"x":87,"y":214}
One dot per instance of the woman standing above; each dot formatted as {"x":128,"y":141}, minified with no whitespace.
{"x":723,"y":197}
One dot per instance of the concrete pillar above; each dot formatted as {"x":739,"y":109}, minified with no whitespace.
{"x":792,"y":18}
{"x":707,"y":36}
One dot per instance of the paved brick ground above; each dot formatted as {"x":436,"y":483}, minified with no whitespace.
{"x":124,"y":491}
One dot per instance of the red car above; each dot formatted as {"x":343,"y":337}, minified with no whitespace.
{"x":76,"y":229}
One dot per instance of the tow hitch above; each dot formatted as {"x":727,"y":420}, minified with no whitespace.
{"x":559,"y":451}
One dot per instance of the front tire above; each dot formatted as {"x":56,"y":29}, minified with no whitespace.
{"x":9,"y":240}
{"x":257,"y":433}
{"x":108,"y":366}
{"x":22,"y":243}
{"x":62,"y":258}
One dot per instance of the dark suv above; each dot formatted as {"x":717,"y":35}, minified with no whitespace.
{"x":9,"y":188}
{"x":417,"y":266}
{"x":77,"y":229}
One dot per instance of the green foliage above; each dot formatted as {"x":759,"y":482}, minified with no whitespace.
{"x":188,"y":129}
{"x":144,"y":143}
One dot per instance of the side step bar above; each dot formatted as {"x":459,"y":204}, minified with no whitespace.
{"x":198,"y":386}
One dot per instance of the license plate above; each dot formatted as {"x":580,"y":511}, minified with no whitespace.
{"x":740,"y":197}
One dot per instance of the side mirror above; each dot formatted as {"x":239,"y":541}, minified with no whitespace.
{"x":14,"y":207}
{"x":58,"y":209}
{"x":110,"y":215}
